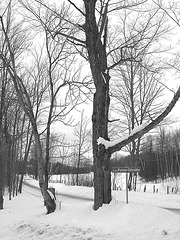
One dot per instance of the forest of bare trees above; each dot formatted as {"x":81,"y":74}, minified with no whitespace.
{"x":57,"y":57}
{"x":160,"y":157}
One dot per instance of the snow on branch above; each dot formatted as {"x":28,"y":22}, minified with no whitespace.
{"x":109,"y":144}
{"x":139,"y":131}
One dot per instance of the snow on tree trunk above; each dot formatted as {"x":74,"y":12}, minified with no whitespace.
{"x":102,"y":175}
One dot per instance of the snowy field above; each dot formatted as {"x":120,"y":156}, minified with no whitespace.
{"x":144,"y":218}
{"x":119,"y":182}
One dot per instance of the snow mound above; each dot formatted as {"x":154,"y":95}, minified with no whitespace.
{"x":34,"y":230}
{"x":137,"y":221}
{"x":25,"y":218}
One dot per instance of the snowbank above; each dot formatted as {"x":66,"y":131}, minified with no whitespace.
{"x":24,"y":217}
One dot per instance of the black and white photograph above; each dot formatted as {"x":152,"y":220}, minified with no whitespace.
{"x":90,"y":119}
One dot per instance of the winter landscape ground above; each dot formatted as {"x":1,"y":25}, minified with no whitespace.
{"x":145,"y":217}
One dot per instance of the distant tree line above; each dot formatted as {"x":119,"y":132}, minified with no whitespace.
{"x":159,"y":157}
{"x":58,"y":168}
{"x":123,"y":161}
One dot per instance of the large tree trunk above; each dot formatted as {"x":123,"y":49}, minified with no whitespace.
{"x":102,"y":174}
{"x":98,"y":64}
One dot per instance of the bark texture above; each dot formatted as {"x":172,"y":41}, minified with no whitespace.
{"x":98,"y":63}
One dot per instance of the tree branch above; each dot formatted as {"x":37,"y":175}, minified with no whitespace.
{"x":116,"y":147}
{"x":70,"y":37}
{"x":76,"y":7}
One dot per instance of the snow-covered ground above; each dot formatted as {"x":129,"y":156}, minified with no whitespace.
{"x":119,"y":182}
{"x":24,"y":217}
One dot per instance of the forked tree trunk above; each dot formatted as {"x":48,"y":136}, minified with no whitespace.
{"x":48,"y":201}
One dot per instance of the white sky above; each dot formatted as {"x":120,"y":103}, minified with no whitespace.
{"x":172,"y":82}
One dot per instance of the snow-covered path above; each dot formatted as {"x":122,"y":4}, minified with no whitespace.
{"x":118,"y":196}
{"x":24,"y":217}
{"x":67,"y":197}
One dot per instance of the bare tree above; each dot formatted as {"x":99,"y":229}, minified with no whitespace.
{"x":138,"y":84}
{"x":27,"y":139}
{"x":59,"y":77}
{"x":83,"y":143}
{"x":2,"y":157}
{"x":11,"y":123}
{"x":63,"y":78}
{"x":13,"y":43}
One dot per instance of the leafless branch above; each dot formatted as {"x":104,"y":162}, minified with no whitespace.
{"x":74,"y":5}
{"x":150,"y":126}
